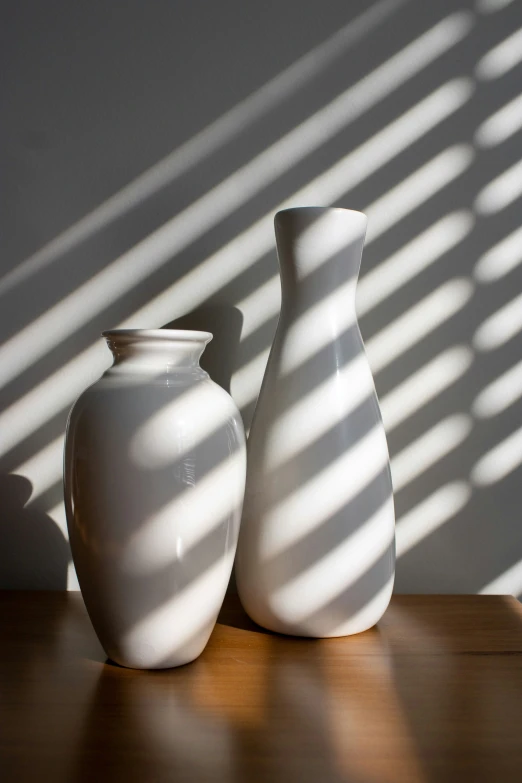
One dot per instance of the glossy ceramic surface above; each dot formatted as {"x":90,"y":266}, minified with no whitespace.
{"x":316,"y":553}
{"x":154,"y":480}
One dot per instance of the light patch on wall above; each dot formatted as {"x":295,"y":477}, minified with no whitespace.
{"x":252,"y":244}
{"x":498,"y":463}
{"x":57,"y":392}
{"x":500,"y":394}
{"x":501,"y":59}
{"x":508,"y":583}
{"x":44,"y":468}
{"x":384,"y":347}
{"x":425,"y":384}
{"x":245,"y":381}
{"x":417,"y":322}
{"x":208,"y":141}
{"x":499,"y":327}
{"x":378,"y":284}
{"x":427,"y":450}
{"x":429,"y":515}
{"x":390,"y":275}
{"x":491,"y":6}
{"x":57,"y":513}
{"x":259,"y":306}
{"x":60,"y":389}
{"x":417,"y":188}
{"x":501,"y":125}
{"x":501,"y":192}
{"x":500,"y":259}
{"x":220,"y":268}
{"x":134,"y":266}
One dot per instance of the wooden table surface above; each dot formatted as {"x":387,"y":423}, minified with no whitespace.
{"x":434,"y":693}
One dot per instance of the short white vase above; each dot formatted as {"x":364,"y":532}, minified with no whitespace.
{"x":316,"y":553}
{"x":155,"y":464}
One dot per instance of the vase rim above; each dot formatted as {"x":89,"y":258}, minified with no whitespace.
{"x":321,"y":209}
{"x":165,"y":335}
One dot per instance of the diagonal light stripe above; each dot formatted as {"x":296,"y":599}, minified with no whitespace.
{"x":202,"y":508}
{"x":500,"y":259}
{"x":57,"y":514}
{"x":427,"y":450}
{"x":501,"y":59}
{"x":508,"y":583}
{"x":390,"y":275}
{"x":158,"y":442}
{"x":500,"y":394}
{"x":328,"y":576}
{"x":430,"y":514}
{"x":501,"y":125}
{"x":335,"y":311}
{"x":501,"y":192}
{"x":322,"y":496}
{"x":500,"y":327}
{"x":246,"y":381}
{"x":189,"y":611}
{"x":417,"y":188}
{"x":51,"y":396}
{"x":126,"y":272}
{"x":252,"y":244}
{"x":314,"y":413}
{"x":424,"y":385}
{"x":396,"y":338}
{"x":498,"y":463}
{"x":491,"y":6}
{"x":36,"y":407}
{"x":205,"y":143}
{"x":44,"y":469}
{"x":421,"y":319}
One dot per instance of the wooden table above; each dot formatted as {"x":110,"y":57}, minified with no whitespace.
{"x":434,"y":693}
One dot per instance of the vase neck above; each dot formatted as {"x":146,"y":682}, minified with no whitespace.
{"x":319,"y":249}
{"x":156,"y":352}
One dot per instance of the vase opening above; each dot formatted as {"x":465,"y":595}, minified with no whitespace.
{"x":149,"y":347}
{"x":316,"y":242}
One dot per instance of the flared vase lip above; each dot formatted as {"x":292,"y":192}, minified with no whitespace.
{"x":319,"y":210}
{"x":163,"y":335}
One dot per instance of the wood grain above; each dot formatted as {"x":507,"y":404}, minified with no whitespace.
{"x":434,"y":693}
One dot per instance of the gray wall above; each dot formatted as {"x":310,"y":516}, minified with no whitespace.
{"x":134,"y":192}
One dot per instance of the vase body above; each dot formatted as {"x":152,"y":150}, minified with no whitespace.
{"x":316,"y":553}
{"x":154,"y":477}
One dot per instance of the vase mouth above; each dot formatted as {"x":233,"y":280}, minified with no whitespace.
{"x":321,"y":210}
{"x":162,"y":335}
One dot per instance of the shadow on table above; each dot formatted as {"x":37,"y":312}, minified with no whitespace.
{"x":271,"y":708}
{"x":465,"y":725}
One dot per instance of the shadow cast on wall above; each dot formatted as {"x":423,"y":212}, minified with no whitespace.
{"x":220,"y":356}
{"x":34,"y":554}
{"x":127,"y":211}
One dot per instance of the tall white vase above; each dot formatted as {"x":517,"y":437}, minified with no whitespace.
{"x":155,"y":464}
{"x":316,"y":553}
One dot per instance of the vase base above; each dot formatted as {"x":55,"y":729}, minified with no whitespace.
{"x":144,"y":665}
{"x":325,"y":624}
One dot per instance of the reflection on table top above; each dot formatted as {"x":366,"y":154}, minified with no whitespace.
{"x":433,"y":693}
